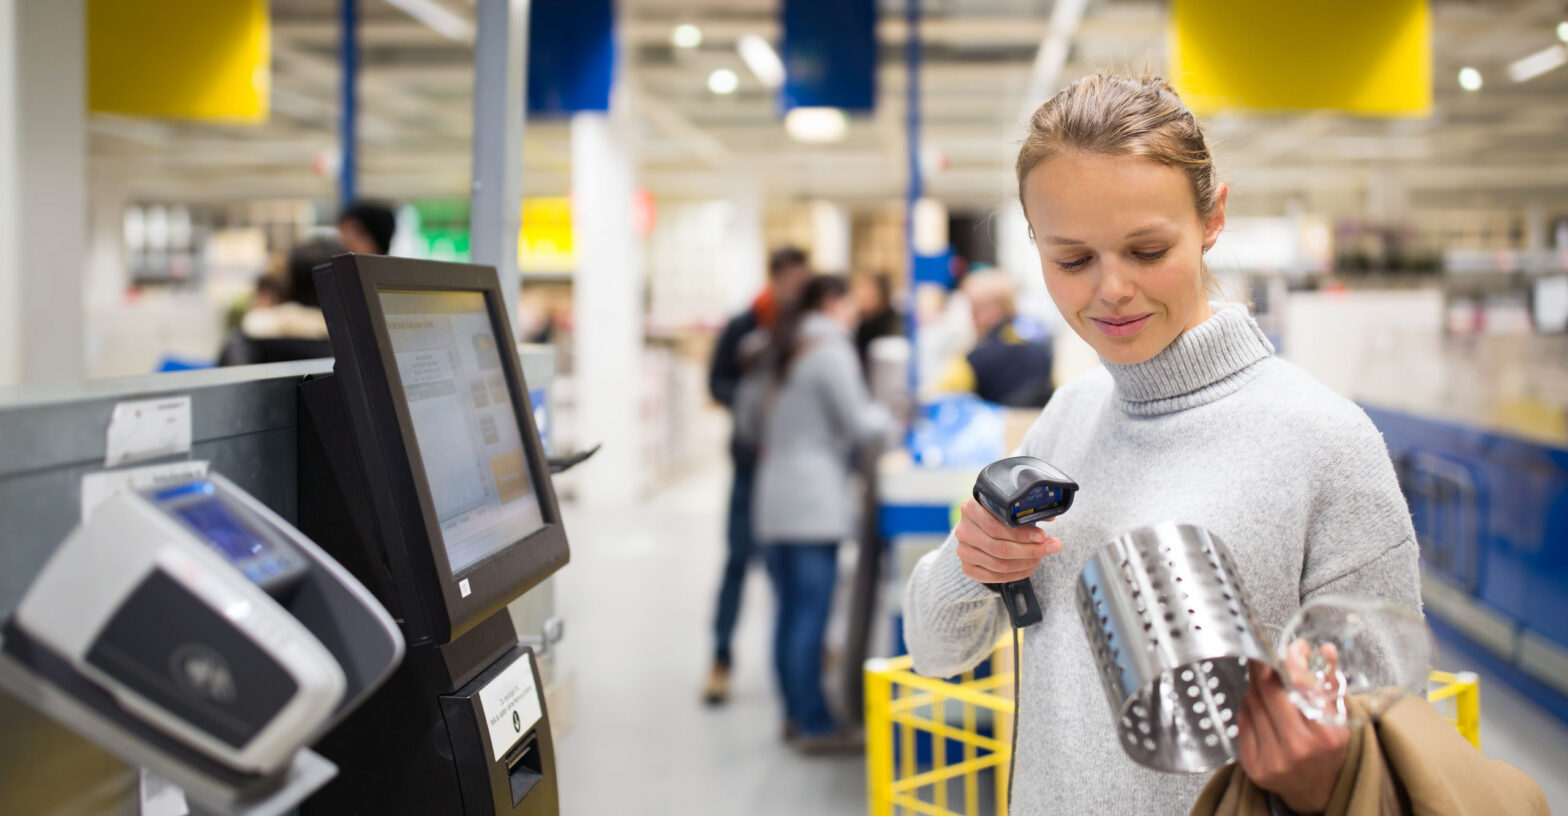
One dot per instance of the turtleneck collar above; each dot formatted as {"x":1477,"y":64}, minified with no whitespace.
{"x":1207,"y":362}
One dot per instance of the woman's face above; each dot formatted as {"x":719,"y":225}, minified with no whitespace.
{"x":1121,"y":243}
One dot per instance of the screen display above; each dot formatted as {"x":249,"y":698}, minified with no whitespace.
{"x":197,"y":506}
{"x":464,"y":421}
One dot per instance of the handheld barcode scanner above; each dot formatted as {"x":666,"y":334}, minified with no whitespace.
{"x":1020,"y":491}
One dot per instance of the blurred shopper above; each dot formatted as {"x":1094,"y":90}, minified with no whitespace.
{"x":742,"y":339}
{"x":293,"y":329}
{"x":873,"y":296}
{"x":808,"y":407}
{"x":1191,"y":417}
{"x":367,"y":228}
{"x":1011,"y":362}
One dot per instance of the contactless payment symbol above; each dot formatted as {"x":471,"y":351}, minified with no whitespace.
{"x":517,"y":722}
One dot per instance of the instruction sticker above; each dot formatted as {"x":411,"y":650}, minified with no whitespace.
{"x":510,"y":705}
{"x":148,"y":429}
{"x":98,"y":488}
{"x":464,"y":588}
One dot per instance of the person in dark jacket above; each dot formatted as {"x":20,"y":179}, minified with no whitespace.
{"x":293,"y":329}
{"x":873,"y":296}
{"x":367,"y":228}
{"x":1011,"y":361}
{"x":741,"y":340}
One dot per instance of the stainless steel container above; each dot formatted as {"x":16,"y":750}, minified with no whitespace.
{"x":1168,"y":619}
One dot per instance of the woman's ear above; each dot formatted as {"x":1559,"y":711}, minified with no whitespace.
{"x":1216,"y":221}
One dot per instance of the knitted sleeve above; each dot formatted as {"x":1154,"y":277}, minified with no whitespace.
{"x":951,"y":621}
{"x":1359,"y":540}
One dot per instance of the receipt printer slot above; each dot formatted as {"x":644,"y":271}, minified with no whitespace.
{"x":524,"y":765}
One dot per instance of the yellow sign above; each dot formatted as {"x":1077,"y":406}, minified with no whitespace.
{"x":187,"y":59}
{"x":1370,"y":58}
{"x":544,"y":242}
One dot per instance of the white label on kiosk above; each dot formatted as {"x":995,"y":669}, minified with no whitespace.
{"x":147,"y":429}
{"x":510,"y":705}
{"x":463,"y":587}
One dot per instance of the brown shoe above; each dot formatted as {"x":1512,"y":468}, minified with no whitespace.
{"x":833,"y":743}
{"x":717,"y":690}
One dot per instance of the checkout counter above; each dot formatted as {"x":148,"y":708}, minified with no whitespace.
{"x":369,"y":529}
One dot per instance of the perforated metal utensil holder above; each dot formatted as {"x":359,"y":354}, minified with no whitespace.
{"x":1171,"y":628}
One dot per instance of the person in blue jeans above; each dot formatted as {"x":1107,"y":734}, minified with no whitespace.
{"x":738,"y":347}
{"x":808,"y":408}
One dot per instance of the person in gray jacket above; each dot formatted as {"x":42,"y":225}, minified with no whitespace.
{"x":808,"y":407}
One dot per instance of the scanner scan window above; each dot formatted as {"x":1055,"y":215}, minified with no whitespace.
{"x":464,"y":421}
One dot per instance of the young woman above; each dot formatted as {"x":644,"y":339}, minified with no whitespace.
{"x":1191,"y":419}
{"x":811,"y":407}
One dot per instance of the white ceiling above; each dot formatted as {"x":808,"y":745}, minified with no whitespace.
{"x":1501,"y":147}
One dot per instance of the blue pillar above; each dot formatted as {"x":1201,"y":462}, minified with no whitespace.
{"x":348,"y":134}
{"x":912,"y":61}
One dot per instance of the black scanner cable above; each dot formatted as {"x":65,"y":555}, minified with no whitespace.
{"x":1020,"y":491}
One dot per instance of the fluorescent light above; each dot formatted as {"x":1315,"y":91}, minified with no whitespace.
{"x":761,"y":59}
{"x":686,"y":35}
{"x":1562,"y":32}
{"x":816,"y":125}
{"x":723,"y":81}
{"x":1525,"y":69}
{"x":1469,"y":79}
{"x":439,"y":18}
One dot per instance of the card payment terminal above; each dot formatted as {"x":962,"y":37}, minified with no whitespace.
{"x":174,"y":603}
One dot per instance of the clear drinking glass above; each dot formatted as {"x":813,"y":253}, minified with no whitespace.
{"x":1339,"y":645}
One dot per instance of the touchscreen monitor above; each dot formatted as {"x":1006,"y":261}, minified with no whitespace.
{"x":464,"y":422}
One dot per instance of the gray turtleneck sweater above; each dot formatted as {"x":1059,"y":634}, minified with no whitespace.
{"x":1215,"y":431}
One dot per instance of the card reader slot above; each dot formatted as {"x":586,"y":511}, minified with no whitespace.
{"x":524,"y":766}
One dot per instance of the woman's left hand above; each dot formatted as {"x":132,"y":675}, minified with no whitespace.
{"x":1284,"y":752}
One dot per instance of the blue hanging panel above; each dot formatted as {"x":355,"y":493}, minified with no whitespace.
{"x":830,"y":54}
{"x":571,"y":56}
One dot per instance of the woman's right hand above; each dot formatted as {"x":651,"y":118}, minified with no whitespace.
{"x":993,"y":553}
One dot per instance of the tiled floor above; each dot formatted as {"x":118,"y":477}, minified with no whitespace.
{"x":637,"y":599}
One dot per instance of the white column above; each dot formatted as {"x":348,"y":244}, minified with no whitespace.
{"x":745,"y":259}
{"x":607,"y":308}
{"x":830,"y":232}
{"x":43,"y":139}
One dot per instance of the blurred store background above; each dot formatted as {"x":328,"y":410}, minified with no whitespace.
{"x":1398,"y":220}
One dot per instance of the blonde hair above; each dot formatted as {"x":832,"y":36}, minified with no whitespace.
{"x":1118,"y":115}
{"x":1122,"y":116}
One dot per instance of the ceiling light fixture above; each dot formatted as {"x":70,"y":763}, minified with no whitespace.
{"x":686,"y":35}
{"x":1562,"y":31}
{"x":763,"y":61}
{"x":816,"y":125}
{"x":440,"y":19}
{"x":1525,"y":69}
{"x":1469,"y":79}
{"x":723,"y":81}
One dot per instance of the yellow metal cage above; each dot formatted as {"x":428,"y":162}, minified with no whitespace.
{"x":941,"y":748}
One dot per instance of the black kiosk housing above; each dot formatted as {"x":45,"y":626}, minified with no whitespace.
{"x":422,"y":471}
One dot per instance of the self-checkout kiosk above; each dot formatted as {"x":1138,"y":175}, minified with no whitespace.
{"x":193,"y":631}
{"x":422,"y":471}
